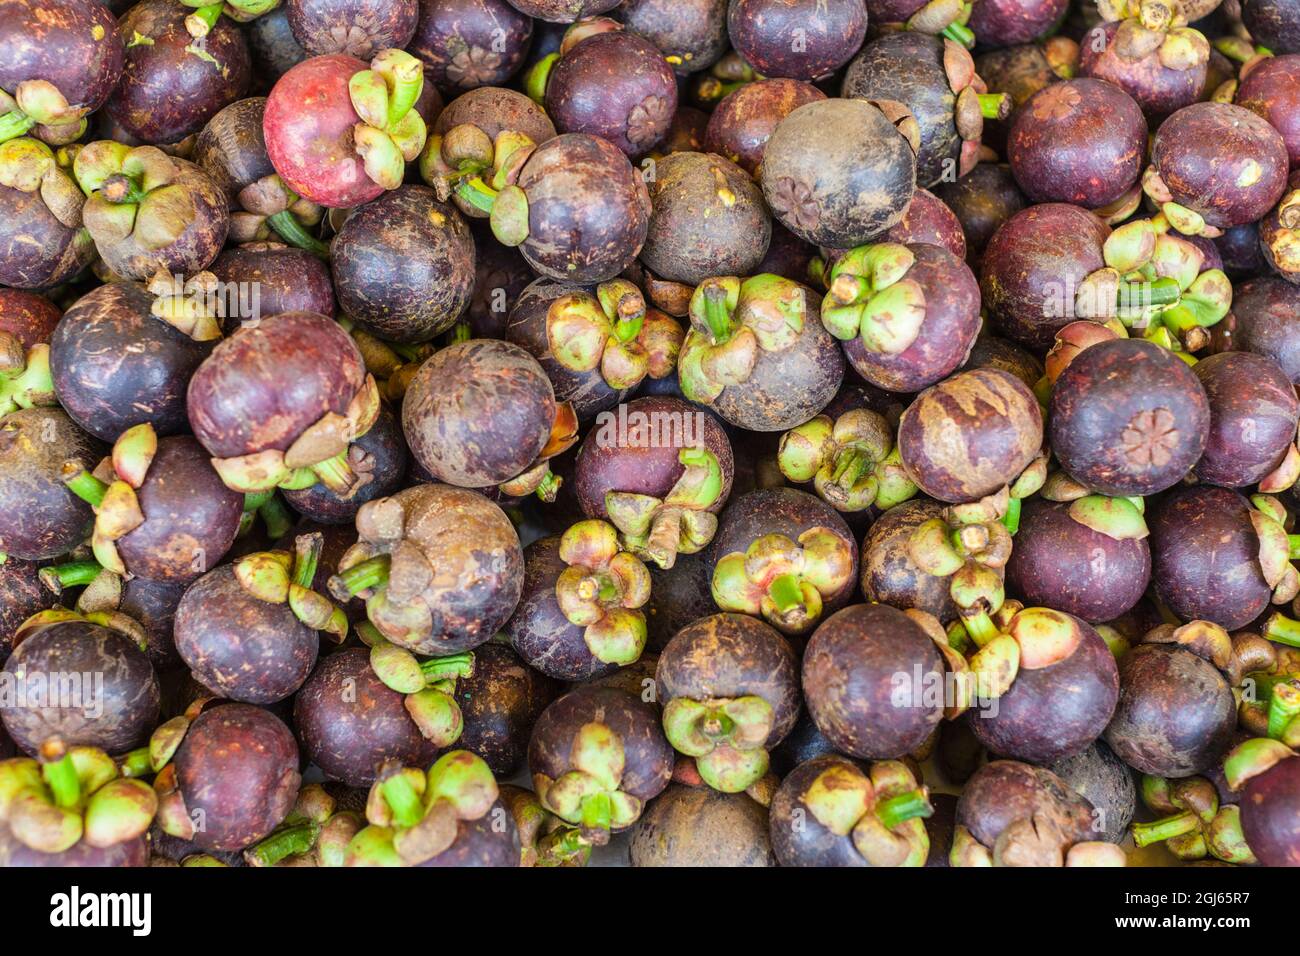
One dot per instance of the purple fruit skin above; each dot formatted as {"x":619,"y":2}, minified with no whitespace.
{"x":1270,"y":814}
{"x":1253,"y":416}
{"x":1267,"y":313}
{"x":765,"y":33}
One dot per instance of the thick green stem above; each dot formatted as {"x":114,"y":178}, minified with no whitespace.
{"x":1283,"y":630}
{"x":980,"y":627}
{"x":994,"y":105}
{"x":716,"y":316}
{"x":276,"y":517}
{"x":289,"y":229}
{"x":85,"y":486}
{"x":1011,"y":520}
{"x":1144,"y":834}
{"x":1283,"y":707}
{"x":289,"y":841}
{"x":625,"y":330}
{"x":209,"y":14}
{"x":850,"y":466}
{"x":307,"y":556}
{"x":549,"y":487}
{"x":61,"y":777}
{"x":135,"y":763}
{"x":71,"y":575}
{"x":14,"y":124}
{"x":1163,"y":291}
{"x":785,"y":593}
{"x":450,"y":667}
{"x":1293,"y":543}
{"x":402,"y":800}
{"x":960,"y":33}
{"x":477,"y":193}
{"x":904,"y":807}
{"x":371,"y":573}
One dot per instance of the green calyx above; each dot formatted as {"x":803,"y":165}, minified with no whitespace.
{"x":588,"y":795}
{"x":480,"y":174}
{"x":132,"y":192}
{"x":726,"y":736}
{"x":870,"y":297}
{"x":241,"y":11}
{"x":429,"y":685}
{"x":732,"y":322}
{"x":882,"y":813}
{"x":658,"y":529}
{"x":784,"y":581}
{"x":1117,"y":518}
{"x":852,"y":461}
{"x":280,"y":578}
{"x":1195,"y":825}
{"x":415,"y":816}
{"x":25,"y":379}
{"x":39,"y":106}
{"x":586,"y":332}
{"x":70,"y":794}
{"x":391,"y":132}
{"x":30,"y":166}
{"x":601,"y":590}
{"x":969,"y":544}
{"x":114,"y":501}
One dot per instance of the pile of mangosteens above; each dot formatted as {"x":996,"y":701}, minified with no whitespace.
{"x":655,"y":433}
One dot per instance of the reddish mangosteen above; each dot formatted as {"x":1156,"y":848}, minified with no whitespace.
{"x":783,"y":555}
{"x":72,"y":807}
{"x":161,"y":511}
{"x":248,"y":630}
{"x":1266,"y":311}
{"x":757,"y":354}
{"x":1274,"y":23}
{"x":1176,"y":713}
{"x":1216,"y":165}
{"x":1079,"y":141}
{"x":112,"y":703}
{"x":1015,"y":814}
{"x":150,"y":212}
{"x":39,"y":517}
{"x":804,"y":39}
{"x":1268,"y":778}
{"x":277,"y":279}
{"x":440,"y":568}
{"x":573,"y":205}
{"x":580,"y":614}
{"x":852,"y":685}
{"x":890,"y":576}
{"x":729,"y":685}
{"x":1279,"y":233}
{"x":339,"y":133}
{"x":350,"y":722}
{"x":1214,"y":557}
{"x":660,"y":470}
{"x":839,"y":172}
{"x":563,"y":11}
{"x":1006,"y":22}
{"x":595,"y":344}
{"x":403,"y":265}
{"x":612,"y":84}
{"x":182,"y":66}
{"x":117,"y":360}
{"x":471,"y":43}
{"x":27,"y":320}
{"x":1163,"y":69}
{"x":935,"y":81}
{"x":500,"y":703}
{"x":1128,"y":417}
{"x":1253,"y":417}
{"x":359,"y":28}
{"x":381,"y":453}
{"x":282,"y":402}
{"x":483,"y":413}
{"x":698,"y":826}
{"x":597,"y":756}
{"x":1033,"y":266}
{"x":906,"y":314}
{"x":451,"y":816}
{"x":1001,"y":429}
{"x":57,"y":66}
{"x":742,"y":123}
{"x":233,"y":779}
{"x":232,"y":150}
{"x":1272,"y":89}
{"x":831,"y":811}
{"x":1087,"y":557}
{"x":691,"y":33}
{"x":708,"y":219}
{"x":982,"y":200}
{"x":1049,"y":696}
{"x":928,"y":220}
{"x":41,"y":240}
